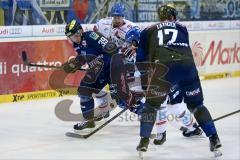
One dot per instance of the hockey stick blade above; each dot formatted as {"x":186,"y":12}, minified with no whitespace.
{"x":75,"y":135}
{"x":26,"y":62}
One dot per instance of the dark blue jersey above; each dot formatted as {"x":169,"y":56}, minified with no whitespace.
{"x":94,"y":45}
{"x":163,"y":40}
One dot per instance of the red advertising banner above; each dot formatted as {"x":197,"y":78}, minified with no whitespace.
{"x":15,"y":77}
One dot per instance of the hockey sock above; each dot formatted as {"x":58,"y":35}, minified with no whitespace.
{"x":87,"y":107}
{"x":161,"y":121}
{"x":204,"y":119}
{"x":147,"y":118}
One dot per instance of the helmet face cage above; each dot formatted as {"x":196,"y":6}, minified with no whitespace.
{"x":166,"y":12}
{"x":118,"y":9}
{"x":72,"y":28}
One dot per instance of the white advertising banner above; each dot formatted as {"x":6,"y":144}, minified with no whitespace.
{"x":216,"y":52}
{"x":48,"y":30}
{"x":211,"y":25}
{"x":15,"y":31}
{"x":193,"y":26}
{"x":215,"y":44}
{"x":58,"y":30}
{"x":235,"y":24}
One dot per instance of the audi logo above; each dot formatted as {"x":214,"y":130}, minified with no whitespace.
{"x":15,"y":30}
{"x":60,"y":29}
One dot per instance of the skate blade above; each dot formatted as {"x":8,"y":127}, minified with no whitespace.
{"x":217,"y":153}
{"x":196,"y":136}
{"x":140,"y":155}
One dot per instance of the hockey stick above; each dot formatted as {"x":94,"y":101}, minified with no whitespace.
{"x":26,"y":62}
{"x":153,"y":136}
{"x":71,"y":134}
{"x":224,"y":116}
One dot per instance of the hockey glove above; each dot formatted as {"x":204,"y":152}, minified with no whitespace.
{"x":129,"y":53}
{"x":71,"y":66}
{"x":137,"y":108}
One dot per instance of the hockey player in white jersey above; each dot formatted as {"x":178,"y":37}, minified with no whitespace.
{"x":114,"y":28}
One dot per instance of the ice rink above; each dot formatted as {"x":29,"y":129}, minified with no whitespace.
{"x":31,"y":130}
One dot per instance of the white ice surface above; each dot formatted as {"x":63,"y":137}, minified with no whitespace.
{"x":30,"y":130}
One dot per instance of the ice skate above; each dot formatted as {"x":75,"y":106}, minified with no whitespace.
{"x":196,"y":132}
{"x":84,"y":126}
{"x":160,"y":139}
{"x":143,"y":144}
{"x":215,"y":144}
{"x":142,"y":147}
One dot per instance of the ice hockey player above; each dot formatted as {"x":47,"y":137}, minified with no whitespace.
{"x":96,"y":54}
{"x":165,"y":46}
{"x":115,"y":28}
{"x":171,"y":110}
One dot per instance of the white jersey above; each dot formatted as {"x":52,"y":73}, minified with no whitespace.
{"x":117,"y":35}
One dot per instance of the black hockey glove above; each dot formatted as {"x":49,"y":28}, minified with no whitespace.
{"x":129,"y":53}
{"x":71,"y":66}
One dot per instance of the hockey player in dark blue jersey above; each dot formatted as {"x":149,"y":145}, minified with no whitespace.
{"x":165,"y":46}
{"x":97,"y":55}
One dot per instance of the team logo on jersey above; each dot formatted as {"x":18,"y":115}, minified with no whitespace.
{"x":94,"y":35}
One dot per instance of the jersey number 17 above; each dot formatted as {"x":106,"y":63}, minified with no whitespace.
{"x":163,"y":32}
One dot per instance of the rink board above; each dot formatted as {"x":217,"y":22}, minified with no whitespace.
{"x":216,"y":54}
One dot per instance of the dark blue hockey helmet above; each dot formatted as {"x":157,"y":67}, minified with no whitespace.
{"x":72,"y":28}
{"x":133,"y":35}
{"x":118,"y":9}
{"x":166,"y":12}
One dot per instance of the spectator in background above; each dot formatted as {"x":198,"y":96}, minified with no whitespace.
{"x":7,"y":6}
{"x":81,"y":10}
{"x":195,"y":9}
{"x":28,"y":12}
{"x":22,"y":12}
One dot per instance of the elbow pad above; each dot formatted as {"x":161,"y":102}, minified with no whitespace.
{"x":110,"y":48}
